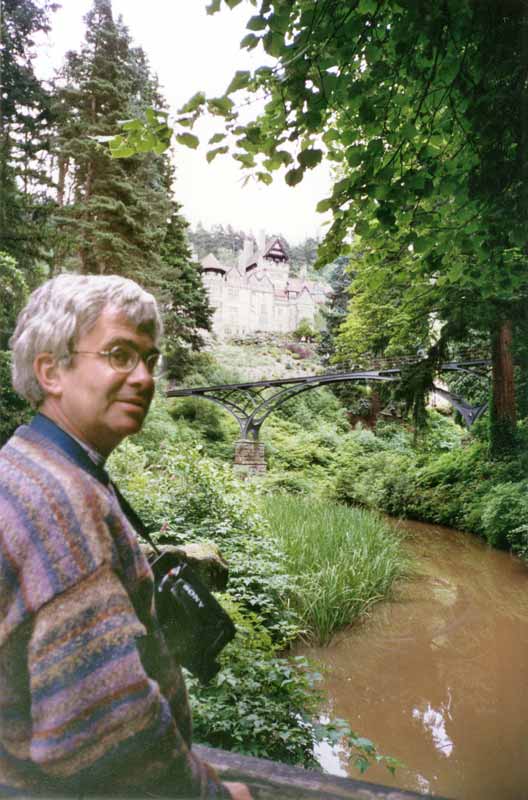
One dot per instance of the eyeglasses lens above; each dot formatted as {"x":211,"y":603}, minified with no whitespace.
{"x":126,"y":359}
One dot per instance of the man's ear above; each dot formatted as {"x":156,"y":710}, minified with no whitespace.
{"x":47,"y":373}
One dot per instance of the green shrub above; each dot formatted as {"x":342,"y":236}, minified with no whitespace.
{"x":259,"y":704}
{"x":211,"y":423}
{"x":443,"y":434}
{"x":312,"y":407}
{"x":296,"y":483}
{"x":377,"y":472}
{"x":305,"y":330}
{"x":504,"y":510}
{"x":205,"y":370}
{"x":14,"y":291}
{"x":290,"y":447}
{"x":518,"y":539}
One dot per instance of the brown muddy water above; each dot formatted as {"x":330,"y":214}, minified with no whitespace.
{"x":439,"y":677}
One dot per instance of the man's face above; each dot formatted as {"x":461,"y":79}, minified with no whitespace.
{"x":97,"y":404}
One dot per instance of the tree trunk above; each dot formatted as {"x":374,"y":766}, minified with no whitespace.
{"x":375,"y":408}
{"x":503,"y":417}
{"x":61,"y":183}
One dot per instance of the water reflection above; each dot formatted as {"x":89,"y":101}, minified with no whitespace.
{"x":437,"y":678}
{"x":434,"y":722}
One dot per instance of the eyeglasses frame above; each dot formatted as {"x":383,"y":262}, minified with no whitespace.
{"x":108,"y":354}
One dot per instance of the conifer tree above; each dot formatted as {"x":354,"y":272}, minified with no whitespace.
{"x":24,"y":138}
{"x":113,"y":211}
{"x":178,"y":284}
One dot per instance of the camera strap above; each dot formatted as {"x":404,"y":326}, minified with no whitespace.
{"x":134,"y":518}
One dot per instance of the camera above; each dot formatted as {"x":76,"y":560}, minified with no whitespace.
{"x":194,"y":623}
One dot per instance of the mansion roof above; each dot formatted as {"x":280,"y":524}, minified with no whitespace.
{"x":266,"y":267}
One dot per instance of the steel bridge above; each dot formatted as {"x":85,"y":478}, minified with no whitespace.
{"x":252,"y":403}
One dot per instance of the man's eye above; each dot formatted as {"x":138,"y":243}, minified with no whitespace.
{"x":121,"y":356}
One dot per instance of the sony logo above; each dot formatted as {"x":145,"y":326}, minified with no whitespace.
{"x":190,"y":591}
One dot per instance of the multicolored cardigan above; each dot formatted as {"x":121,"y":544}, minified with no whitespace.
{"x":91,"y":702}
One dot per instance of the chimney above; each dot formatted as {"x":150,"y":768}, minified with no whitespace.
{"x":247,"y":251}
{"x":261,"y":241}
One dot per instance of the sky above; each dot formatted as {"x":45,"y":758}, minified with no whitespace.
{"x":191,"y":51}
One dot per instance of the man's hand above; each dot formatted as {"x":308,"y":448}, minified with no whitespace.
{"x":238,"y":791}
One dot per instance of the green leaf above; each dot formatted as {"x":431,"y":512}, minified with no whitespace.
{"x":160,"y":147}
{"x":409,"y":131}
{"x":363,"y":742}
{"x":422,"y":245}
{"x":212,"y":154}
{"x":274,"y":44}
{"x":249,"y":42}
{"x":123,"y":152}
{"x":221,"y":106}
{"x":310,"y":158}
{"x":379,"y":191}
{"x":324,"y":205}
{"x":361,"y":763}
{"x":294,"y":176}
{"x":330,"y":136}
{"x":154,"y":116}
{"x":218,"y":137}
{"x":213,"y":7}
{"x":193,"y":104}
{"x":367,"y":6}
{"x":362,"y":228}
{"x":131,"y":124}
{"x":185,"y":122}
{"x":355,"y":155}
{"x":117,"y":141}
{"x":265,"y":177}
{"x":240,"y":80}
{"x":257,"y":23}
{"x":246,"y":159}
{"x":188,"y":139}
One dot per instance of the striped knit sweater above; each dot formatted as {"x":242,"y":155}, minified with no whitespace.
{"x":91,"y":701}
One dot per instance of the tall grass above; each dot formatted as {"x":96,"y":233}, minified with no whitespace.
{"x":342,"y":560}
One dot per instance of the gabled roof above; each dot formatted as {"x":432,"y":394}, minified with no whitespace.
{"x":234,"y":278}
{"x":211,"y":262}
{"x":275,"y":250}
{"x":260,"y":279}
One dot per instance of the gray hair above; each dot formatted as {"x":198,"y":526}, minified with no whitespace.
{"x":65,"y":308}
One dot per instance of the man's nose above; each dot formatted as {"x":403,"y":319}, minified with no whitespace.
{"x":141,"y":375}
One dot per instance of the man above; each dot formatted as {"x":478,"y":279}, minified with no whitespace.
{"x":91,"y":701}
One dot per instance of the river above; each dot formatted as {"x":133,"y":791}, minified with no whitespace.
{"x":439,"y":677}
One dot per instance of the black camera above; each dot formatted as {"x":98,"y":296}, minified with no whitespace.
{"x":194,"y":623}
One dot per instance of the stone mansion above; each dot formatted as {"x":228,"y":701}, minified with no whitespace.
{"x":258,"y":293}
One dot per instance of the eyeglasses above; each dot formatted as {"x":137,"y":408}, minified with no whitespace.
{"x":124,"y":358}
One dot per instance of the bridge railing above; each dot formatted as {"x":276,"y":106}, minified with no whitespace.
{"x":269,"y":780}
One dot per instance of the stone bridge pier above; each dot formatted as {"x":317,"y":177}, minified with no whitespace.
{"x":249,"y":456}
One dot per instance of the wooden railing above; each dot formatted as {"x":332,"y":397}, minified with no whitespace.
{"x":269,"y":780}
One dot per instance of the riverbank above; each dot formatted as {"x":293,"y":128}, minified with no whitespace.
{"x":459,"y":486}
{"x":437,"y":675}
